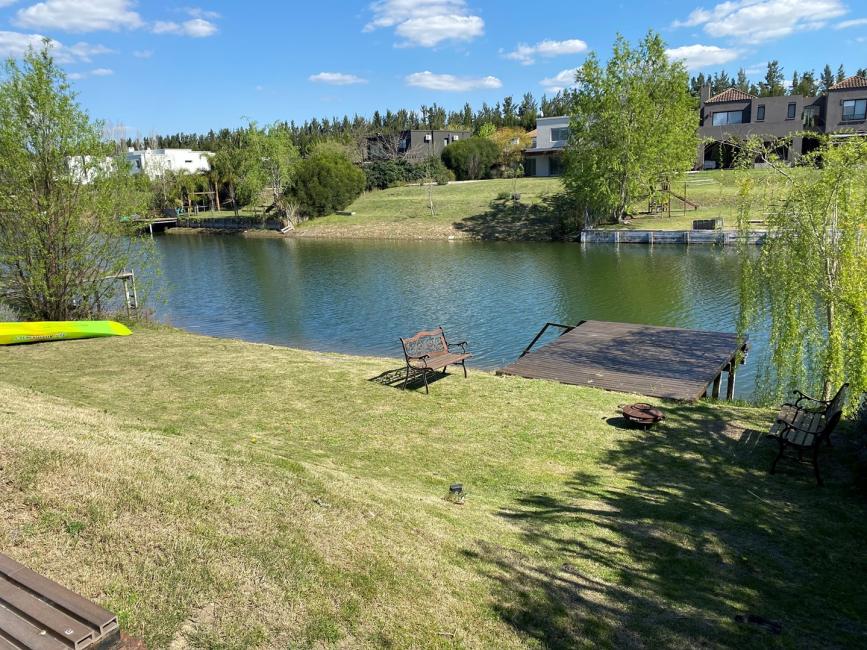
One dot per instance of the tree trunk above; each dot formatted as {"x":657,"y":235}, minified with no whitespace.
{"x":234,"y":201}
{"x":827,"y":389}
{"x":217,"y":195}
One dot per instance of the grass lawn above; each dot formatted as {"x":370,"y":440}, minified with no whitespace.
{"x":225,"y":494}
{"x":462,"y":210}
{"x":469,"y":210}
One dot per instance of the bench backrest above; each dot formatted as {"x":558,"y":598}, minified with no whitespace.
{"x":426,"y":342}
{"x":838,"y":403}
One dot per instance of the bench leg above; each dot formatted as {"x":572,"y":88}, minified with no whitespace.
{"x":464,"y":364}
{"x":426,"y":390}
{"x":816,"y":464}
{"x":406,"y":380}
{"x":779,"y":456}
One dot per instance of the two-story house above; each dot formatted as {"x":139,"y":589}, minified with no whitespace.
{"x":545,"y":155}
{"x":415,"y":144}
{"x":739,"y":115}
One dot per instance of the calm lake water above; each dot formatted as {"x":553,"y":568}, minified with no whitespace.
{"x":358,"y":297}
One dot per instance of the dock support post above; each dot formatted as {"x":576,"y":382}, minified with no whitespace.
{"x":716,"y":386}
{"x":730,"y":389}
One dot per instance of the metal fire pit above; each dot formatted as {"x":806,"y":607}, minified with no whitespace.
{"x":642,"y":414}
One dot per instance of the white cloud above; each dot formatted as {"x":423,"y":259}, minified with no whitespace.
{"x":451,"y":83}
{"x":755,"y":21}
{"x":698,"y":56}
{"x":857,"y":22}
{"x":426,"y":23}
{"x":96,"y":72}
{"x":563,"y":79}
{"x":757,"y":68}
{"x":6,"y":3}
{"x":16,"y":44}
{"x":143,"y":54}
{"x":80,"y":15}
{"x":336,"y":79}
{"x":195,"y":28}
{"x":527,"y":54}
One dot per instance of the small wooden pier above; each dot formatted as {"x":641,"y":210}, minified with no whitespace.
{"x":664,"y":362}
{"x":155,"y":225}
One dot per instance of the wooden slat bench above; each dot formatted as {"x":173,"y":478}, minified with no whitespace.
{"x":429,"y":350}
{"x":806,"y":424}
{"x":39,"y":614}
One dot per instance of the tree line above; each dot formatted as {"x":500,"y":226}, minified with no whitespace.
{"x":806,"y":83}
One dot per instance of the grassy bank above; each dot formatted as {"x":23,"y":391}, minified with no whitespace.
{"x":461,"y":210}
{"x":471,"y":210}
{"x":224,"y":494}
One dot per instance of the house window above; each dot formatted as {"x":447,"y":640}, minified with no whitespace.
{"x":760,"y":113}
{"x":810,"y":117}
{"x":791,"y":111}
{"x":728,"y":117}
{"x":455,"y":138}
{"x":559,"y":133}
{"x":445,"y":142}
{"x":555,"y":166}
{"x":854,"y":109}
{"x":402,"y":145}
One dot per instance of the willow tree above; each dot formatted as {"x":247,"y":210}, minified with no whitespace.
{"x":633,"y":128}
{"x":66,"y":197}
{"x":809,"y":280}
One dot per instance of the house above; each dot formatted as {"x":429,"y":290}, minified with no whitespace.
{"x":155,"y":162}
{"x":545,"y":155}
{"x":413,"y":144}
{"x":736,"y":114}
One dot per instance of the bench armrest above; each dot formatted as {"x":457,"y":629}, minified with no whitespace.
{"x":804,"y":397}
{"x":463,"y":345}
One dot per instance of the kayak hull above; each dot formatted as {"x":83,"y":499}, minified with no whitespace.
{"x":38,"y":332}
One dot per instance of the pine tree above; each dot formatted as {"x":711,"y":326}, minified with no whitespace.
{"x":772,"y":86}
{"x":841,"y":73}
{"x":827,"y":79}
{"x":742,"y":83}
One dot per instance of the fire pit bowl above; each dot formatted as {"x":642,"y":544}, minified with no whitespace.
{"x":642,"y":414}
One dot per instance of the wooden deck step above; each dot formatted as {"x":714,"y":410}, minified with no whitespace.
{"x":37,"y":613}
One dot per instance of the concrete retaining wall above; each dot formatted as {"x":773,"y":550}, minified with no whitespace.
{"x":719,"y":237}
{"x":230,"y":223}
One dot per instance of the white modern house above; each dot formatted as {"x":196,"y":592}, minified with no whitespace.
{"x":155,"y":162}
{"x":545,"y":156}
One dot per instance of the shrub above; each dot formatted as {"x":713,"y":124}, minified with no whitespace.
{"x":383,"y":174}
{"x":326,"y":182}
{"x":471,"y":159}
{"x":7,"y":314}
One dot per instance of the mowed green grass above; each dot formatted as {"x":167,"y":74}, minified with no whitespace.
{"x":470,"y":210}
{"x":461,"y":210}
{"x":222,"y":494}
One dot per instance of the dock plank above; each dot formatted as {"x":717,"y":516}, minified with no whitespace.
{"x":664,"y":362}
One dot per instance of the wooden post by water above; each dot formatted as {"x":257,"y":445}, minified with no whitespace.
{"x":730,"y":389}
{"x":716,"y":386}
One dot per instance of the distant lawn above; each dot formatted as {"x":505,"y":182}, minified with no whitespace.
{"x":470,"y":210}
{"x":221,"y":494}
{"x":461,"y":210}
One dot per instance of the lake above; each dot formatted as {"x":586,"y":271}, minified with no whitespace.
{"x":359,"y":296}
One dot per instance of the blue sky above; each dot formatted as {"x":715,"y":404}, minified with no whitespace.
{"x":157,"y":66}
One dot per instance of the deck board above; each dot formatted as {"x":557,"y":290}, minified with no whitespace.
{"x":665,"y":362}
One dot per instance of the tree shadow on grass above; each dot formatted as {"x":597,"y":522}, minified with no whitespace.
{"x":689,"y":543}
{"x":554,"y":218}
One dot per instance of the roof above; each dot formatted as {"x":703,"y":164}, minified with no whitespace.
{"x":534,"y":133}
{"x":850,"y":82}
{"x":730,"y":95}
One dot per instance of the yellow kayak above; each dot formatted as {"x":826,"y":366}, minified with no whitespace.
{"x":36,"y":332}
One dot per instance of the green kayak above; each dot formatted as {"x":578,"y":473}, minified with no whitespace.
{"x":36,"y":332}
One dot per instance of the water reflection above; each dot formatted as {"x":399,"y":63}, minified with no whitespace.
{"x":360,"y":296}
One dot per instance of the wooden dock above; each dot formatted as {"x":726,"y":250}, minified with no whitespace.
{"x":664,"y":362}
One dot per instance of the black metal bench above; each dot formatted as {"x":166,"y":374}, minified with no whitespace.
{"x":429,"y":350}
{"x":806,"y":424}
